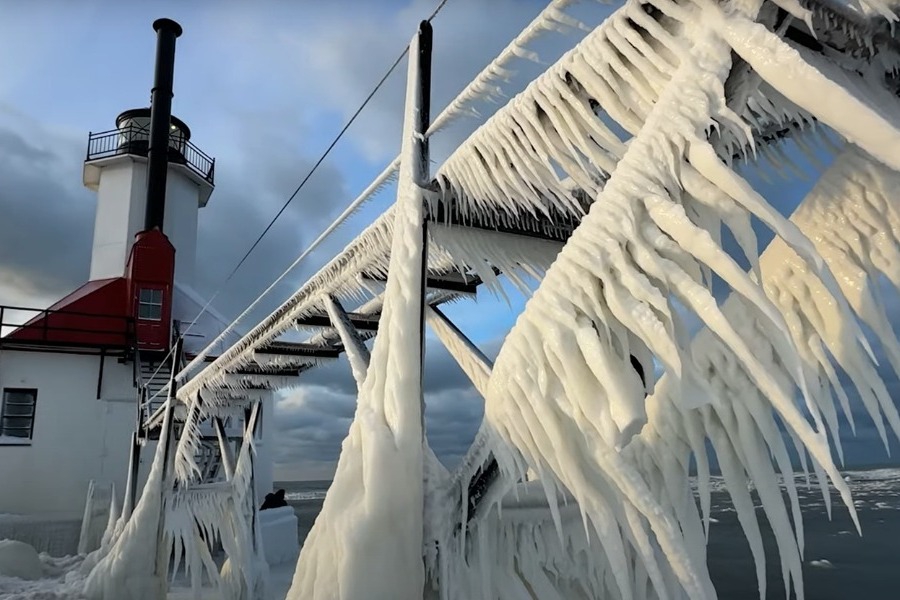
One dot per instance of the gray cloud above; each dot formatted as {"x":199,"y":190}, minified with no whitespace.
{"x":313,"y":420}
{"x":315,"y":417}
{"x":47,"y":217}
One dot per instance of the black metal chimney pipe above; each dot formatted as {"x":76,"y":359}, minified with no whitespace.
{"x":167,"y":31}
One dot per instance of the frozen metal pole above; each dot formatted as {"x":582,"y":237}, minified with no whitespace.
{"x":421,"y":170}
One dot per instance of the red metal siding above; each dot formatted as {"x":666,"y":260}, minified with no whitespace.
{"x":151,"y":265}
{"x":105,"y":313}
{"x":93,"y":315}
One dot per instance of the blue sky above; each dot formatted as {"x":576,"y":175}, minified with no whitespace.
{"x":264,"y":87}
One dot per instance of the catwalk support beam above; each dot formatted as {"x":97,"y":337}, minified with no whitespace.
{"x":357,"y":352}
{"x":224,"y":448}
{"x":471,"y":360}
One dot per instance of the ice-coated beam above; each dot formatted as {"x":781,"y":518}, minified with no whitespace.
{"x":821,"y":87}
{"x":224,"y":448}
{"x":268,"y":371}
{"x":357,"y":353}
{"x":471,"y":360}
{"x":449,"y":282}
{"x":292,"y":349}
{"x":361,"y":322}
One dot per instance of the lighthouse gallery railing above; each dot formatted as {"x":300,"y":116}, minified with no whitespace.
{"x":134,"y":140}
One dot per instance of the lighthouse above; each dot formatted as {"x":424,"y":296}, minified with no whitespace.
{"x":151,"y":181}
{"x":80,"y":379}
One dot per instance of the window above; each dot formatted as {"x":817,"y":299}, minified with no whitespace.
{"x":150,"y":305}
{"x":17,"y":413}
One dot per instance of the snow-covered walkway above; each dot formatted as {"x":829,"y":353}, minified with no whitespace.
{"x":63,"y":581}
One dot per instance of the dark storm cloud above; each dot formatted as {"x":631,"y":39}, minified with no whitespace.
{"x":46,"y":216}
{"x":314,"y":418}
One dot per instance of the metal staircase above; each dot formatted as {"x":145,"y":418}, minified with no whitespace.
{"x":154,"y":373}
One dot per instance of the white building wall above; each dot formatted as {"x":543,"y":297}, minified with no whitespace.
{"x":76,"y":436}
{"x":180,"y":223}
{"x":121,"y":202}
{"x":115,"y":213}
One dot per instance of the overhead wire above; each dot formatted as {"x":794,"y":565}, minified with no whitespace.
{"x":200,"y":357}
{"x":550,"y":18}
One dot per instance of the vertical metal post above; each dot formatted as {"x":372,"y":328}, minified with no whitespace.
{"x":416,"y":157}
{"x":422,"y":173}
{"x":162,"y":558}
{"x":134,"y":463}
{"x":171,"y":400}
{"x":100,"y":374}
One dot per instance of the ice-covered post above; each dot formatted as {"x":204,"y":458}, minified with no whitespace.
{"x":418,"y":158}
{"x":470,"y":359}
{"x":357,"y":353}
{"x":136,"y":565}
{"x":134,"y":463}
{"x":224,"y":448}
{"x":251,"y":419}
{"x":373,"y":516}
{"x":162,"y":556}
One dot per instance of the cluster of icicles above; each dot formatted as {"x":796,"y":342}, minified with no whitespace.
{"x":566,"y":416}
{"x":182,"y":524}
{"x":562,"y":401}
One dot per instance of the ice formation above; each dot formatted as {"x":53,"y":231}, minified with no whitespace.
{"x":18,"y":559}
{"x":124,"y":570}
{"x":634,"y":138}
{"x":367,"y":541}
{"x":562,"y":399}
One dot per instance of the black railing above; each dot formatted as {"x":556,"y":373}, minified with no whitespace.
{"x":55,"y":327}
{"x":136,"y":140}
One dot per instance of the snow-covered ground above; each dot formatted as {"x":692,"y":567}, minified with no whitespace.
{"x":63,"y":581}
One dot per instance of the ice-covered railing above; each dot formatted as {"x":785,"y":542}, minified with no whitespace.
{"x":367,"y":255}
{"x":486,"y":85}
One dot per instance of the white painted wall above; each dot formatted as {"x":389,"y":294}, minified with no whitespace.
{"x":121,"y":202}
{"x":76,"y":436}
{"x":180,"y":223}
{"x":112,"y":221}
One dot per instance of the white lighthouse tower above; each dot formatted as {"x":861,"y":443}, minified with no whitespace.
{"x":77,"y":380}
{"x":116,"y":169}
